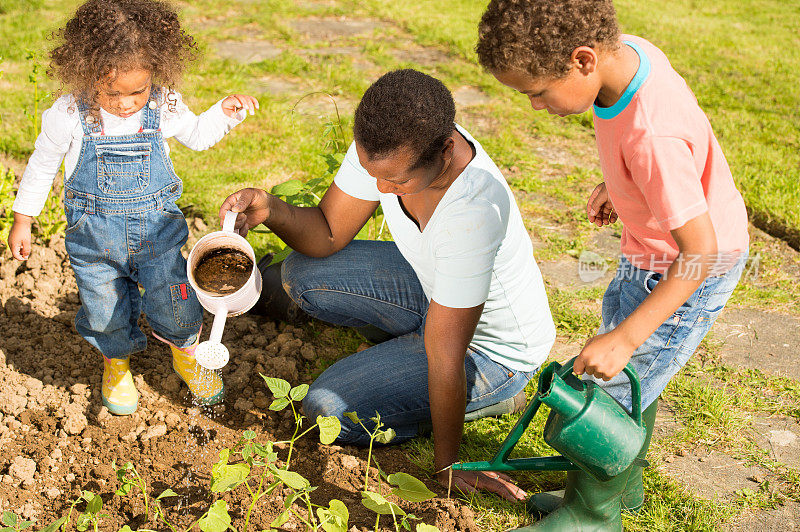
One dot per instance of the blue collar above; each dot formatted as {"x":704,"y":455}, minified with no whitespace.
{"x":607,"y":113}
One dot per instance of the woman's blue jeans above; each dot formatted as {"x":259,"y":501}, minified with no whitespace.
{"x":369,"y":283}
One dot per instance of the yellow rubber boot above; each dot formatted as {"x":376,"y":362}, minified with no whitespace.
{"x":119,"y":393}
{"x":205,"y":385}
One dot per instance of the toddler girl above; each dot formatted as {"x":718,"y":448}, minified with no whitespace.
{"x":119,"y":60}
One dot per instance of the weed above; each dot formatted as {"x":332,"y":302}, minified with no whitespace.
{"x":38,"y":95}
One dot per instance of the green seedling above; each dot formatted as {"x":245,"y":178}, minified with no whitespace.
{"x":129,"y":479}
{"x":329,"y":428}
{"x":13,"y":523}
{"x":406,"y":487}
{"x":91,"y":516}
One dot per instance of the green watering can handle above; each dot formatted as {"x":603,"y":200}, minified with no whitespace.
{"x":636,"y":388}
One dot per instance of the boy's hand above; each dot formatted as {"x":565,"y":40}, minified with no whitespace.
{"x":237,"y":102}
{"x":252,"y":204}
{"x":605,"y":355}
{"x":599,"y":208}
{"x":19,"y":239}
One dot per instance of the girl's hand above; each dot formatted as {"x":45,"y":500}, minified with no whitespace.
{"x":604,"y":355}
{"x":472,"y":481}
{"x":599,"y":208}
{"x":19,"y":239}
{"x":237,"y":102}
{"x":253,"y":206}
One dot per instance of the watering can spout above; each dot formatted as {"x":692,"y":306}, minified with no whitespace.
{"x":559,"y":395}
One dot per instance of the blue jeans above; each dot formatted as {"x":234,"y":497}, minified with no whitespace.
{"x":666,"y":351}
{"x":124,"y":228}
{"x":370,"y":284}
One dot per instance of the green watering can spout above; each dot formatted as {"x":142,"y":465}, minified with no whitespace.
{"x":590,"y":429}
{"x":560,"y":396}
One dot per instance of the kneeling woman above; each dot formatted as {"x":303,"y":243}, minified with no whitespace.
{"x":458,"y":293}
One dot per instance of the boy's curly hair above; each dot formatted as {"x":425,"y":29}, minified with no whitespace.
{"x":405,"y":108}
{"x":538,"y":36}
{"x":111,"y":36}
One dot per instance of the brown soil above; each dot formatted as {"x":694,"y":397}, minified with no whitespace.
{"x":57,"y":439}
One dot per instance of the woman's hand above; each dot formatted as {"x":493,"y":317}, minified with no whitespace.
{"x":252,"y":204}
{"x":599,"y":208}
{"x":471,"y":481}
{"x":19,"y":238}
{"x":237,"y":102}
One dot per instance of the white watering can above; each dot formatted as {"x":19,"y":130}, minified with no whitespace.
{"x":211,"y":354}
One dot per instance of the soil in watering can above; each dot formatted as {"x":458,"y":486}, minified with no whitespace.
{"x":223,"y":271}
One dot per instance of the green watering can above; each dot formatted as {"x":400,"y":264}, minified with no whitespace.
{"x":590,"y":429}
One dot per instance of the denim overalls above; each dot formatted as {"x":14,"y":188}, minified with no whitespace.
{"x":124,"y":228}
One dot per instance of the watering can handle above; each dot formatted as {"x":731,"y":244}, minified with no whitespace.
{"x":636,"y":388}
{"x":230,"y":221}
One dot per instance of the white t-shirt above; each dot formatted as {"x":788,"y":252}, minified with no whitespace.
{"x":62,"y":136}
{"x":473,"y":250}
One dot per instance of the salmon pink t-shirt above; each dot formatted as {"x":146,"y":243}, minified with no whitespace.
{"x":663,"y":166}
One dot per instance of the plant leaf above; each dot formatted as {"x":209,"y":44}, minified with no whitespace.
{"x":229,"y":476}
{"x":217,"y":518}
{"x":410,"y":488}
{"x":334,"y":519}
{"x":298,"y":392}
{"x":385,"y":436}
{"x":9,"y":518}
{"x":287,"y":188}
{"x":95,"y":504}
{"x":55,"y":525}
{"x":281,"y":519}
{"x":352,"y":417}
{"x":292,"y":479}
{"x":280,"y":255}
{"x":166,"y":493}
{"x":278,"y":387}
{"x":422,"y":527}
{"x":249,"y":435}
{"x":279,"y":404}
{"x":329,"y":428}
{"x":378,"y":504}
{"x":83,"y":522}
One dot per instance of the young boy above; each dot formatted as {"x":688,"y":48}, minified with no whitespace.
{"x":684,"y":238}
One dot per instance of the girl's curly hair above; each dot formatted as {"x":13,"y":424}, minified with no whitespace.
{"x":106,"y":37}
{"x":538,"y":36}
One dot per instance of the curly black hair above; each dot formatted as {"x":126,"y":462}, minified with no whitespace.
{"x":405,"y":109}
{"x":105,"y":37}
{"x":538,"y":36}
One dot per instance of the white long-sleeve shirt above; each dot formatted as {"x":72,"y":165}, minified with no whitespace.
{"x":61,"y":138}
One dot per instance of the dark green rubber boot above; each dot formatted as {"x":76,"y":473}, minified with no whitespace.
{"x":589,"y":505}
{"x":541,"y":504}
{"x":633,"y":498}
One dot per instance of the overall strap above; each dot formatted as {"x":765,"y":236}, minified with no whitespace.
{"x":151,"y":113}
{"x":88,"y":122}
